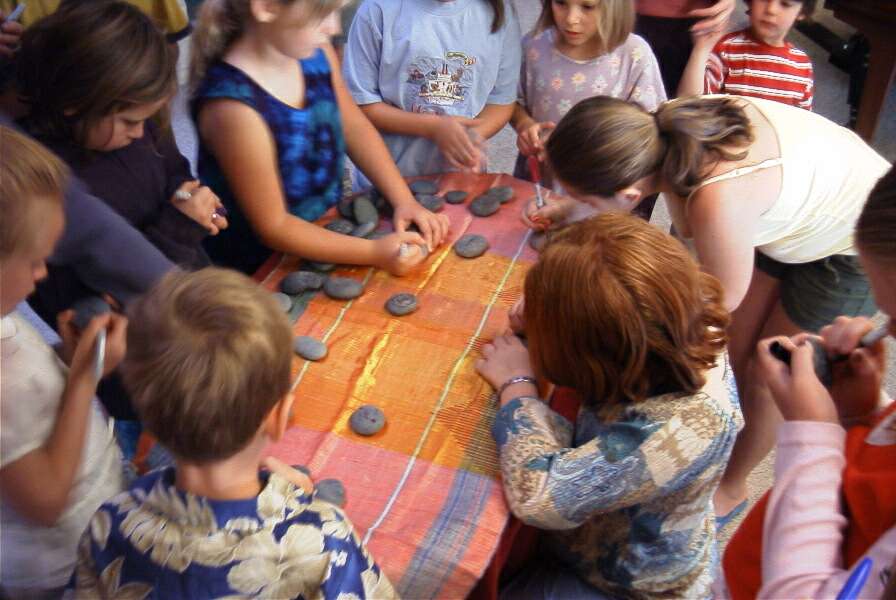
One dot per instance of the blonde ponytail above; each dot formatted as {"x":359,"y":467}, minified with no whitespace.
{"x":698,"y":132}
{"x":606,"y":144}
{"x":219,"y":24}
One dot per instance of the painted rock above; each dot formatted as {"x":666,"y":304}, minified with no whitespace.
{"x":309,"y":348}
{"x":343,"y":226}
{"x":364,"y":211}
{"x":455,"y":197}
{"x":402,"y":304}
{"x":88,"y":308}
{"x":342,"y":288}
{"x":283,"y":300}
{"x":485,"y":205}
{"x":504,"y":193}
{"x":301,"y":281}
{"x":471,"y":245}
{"x":330,"y":490}
{"x":430,"y":202}
{"x":424,"y":186}
{"x":321,"y":267}
{"x":364,"y":229}
{"x":367,"y":420}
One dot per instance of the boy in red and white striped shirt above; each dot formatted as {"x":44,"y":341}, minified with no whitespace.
{"x":756,"y":61}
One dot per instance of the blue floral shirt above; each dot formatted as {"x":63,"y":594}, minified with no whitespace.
{"x":155,"y":541}
{"x":627,"y":492}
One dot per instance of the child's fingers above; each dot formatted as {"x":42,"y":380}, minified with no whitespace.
{"x":294,"y":476}
{"x":410,"y":237}
{"x":773,"y":371}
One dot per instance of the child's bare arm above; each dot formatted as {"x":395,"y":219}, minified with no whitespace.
{"x":243,"y":146}
{"x":38,"y":484}
{"x":493,"y":118}
{"x":694,"y":75}
{"x":368,"y":151}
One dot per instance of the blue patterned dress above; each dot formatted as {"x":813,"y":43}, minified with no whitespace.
{"x":155,"y":541}
{"x":626,"y":493}
{"x":310,"y":154}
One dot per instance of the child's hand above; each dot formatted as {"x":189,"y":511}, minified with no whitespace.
{"x":201,"y":204}
{"x":799,"y":394}
{"x":856,"y":380}
{"x":84,"y":343}
{"x":10,"y":34}
{"x":398,"y":253}
{"x":434,"y":227}
{"x":450,"y":134}
{"x":712,"y":18}
{"x":294,"y":476}
{"x":555,"y":210}
{"x":706,"y":41}
{"x":517,"y":316}
{"x":531,"y":139}
{"x":506,"y":357}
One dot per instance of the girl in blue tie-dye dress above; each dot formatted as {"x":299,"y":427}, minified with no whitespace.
{"x":274,"y":122}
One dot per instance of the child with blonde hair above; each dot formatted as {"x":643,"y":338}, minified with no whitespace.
{"x":58,"y":457}
{"x":209,"y":372}
{"x":274,"y":120}
{"x":618,"y":311}
{"x":436,"y":77}
{"x":579,"y":49}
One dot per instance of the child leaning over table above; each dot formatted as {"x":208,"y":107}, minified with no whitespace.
{"x":618,"y":311}
{"x":209,"y":373}
{"x":58,"y":458}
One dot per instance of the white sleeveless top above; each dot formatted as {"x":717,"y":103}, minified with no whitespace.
{"x":827,"y":173}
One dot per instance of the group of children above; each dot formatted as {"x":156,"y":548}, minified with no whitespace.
{"x":616,"y":311}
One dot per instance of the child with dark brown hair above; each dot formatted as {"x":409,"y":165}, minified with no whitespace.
{"x":618,"y":311}
{"x":95,"y":75}
{"x":209,"y":371}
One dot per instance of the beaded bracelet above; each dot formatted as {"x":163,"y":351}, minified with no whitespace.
{"x":517,"y":379}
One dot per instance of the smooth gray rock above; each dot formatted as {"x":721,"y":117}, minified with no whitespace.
{"x":364,"y":211}
{"x":283,"y":300}
{"x":485,"y":205}
{"x":378,"y":235}
{"x":471,"y":245}
{"x":430,"y":202}
{"x":455,"y":196}
{"x":504,"y":193}
{"x":402,"y":304}
{"x":330,"y":490}
{"x":424,"y":186}
{"x":301,"y":281}
{"x":367,"y":420}
{"x":364,"y":229}
{"x":321,"y":267}
{"x":346,"y":208}
{"x":309,"y":348}
{"x":537,"y":240}
{"x":343,"y":226}
{"x":342,"y":288}
{"x":88,"y":308}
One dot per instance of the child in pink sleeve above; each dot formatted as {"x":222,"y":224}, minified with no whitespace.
{"x":834,"y":499}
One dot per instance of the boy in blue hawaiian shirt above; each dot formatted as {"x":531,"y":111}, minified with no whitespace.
{"x":209,"y":373}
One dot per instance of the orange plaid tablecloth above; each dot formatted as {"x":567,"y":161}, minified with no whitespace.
{"x":425,"y":493}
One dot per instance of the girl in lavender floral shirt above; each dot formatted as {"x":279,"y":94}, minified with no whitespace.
{"x":579,"y":49}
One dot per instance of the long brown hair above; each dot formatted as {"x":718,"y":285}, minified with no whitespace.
{"x":89,"y":60}
{"x":618,"y":310}
{"x":876,"y":227}
{"x":605,"y":144}
{"x":615,"y":21}
{"x":221,"y":22}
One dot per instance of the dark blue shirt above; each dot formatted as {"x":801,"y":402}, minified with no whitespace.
{"x":310,"y":154}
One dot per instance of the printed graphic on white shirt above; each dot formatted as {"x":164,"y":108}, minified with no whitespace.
{"x":438,"y":84}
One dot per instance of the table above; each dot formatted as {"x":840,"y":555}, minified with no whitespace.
{"x":425,"y":493}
